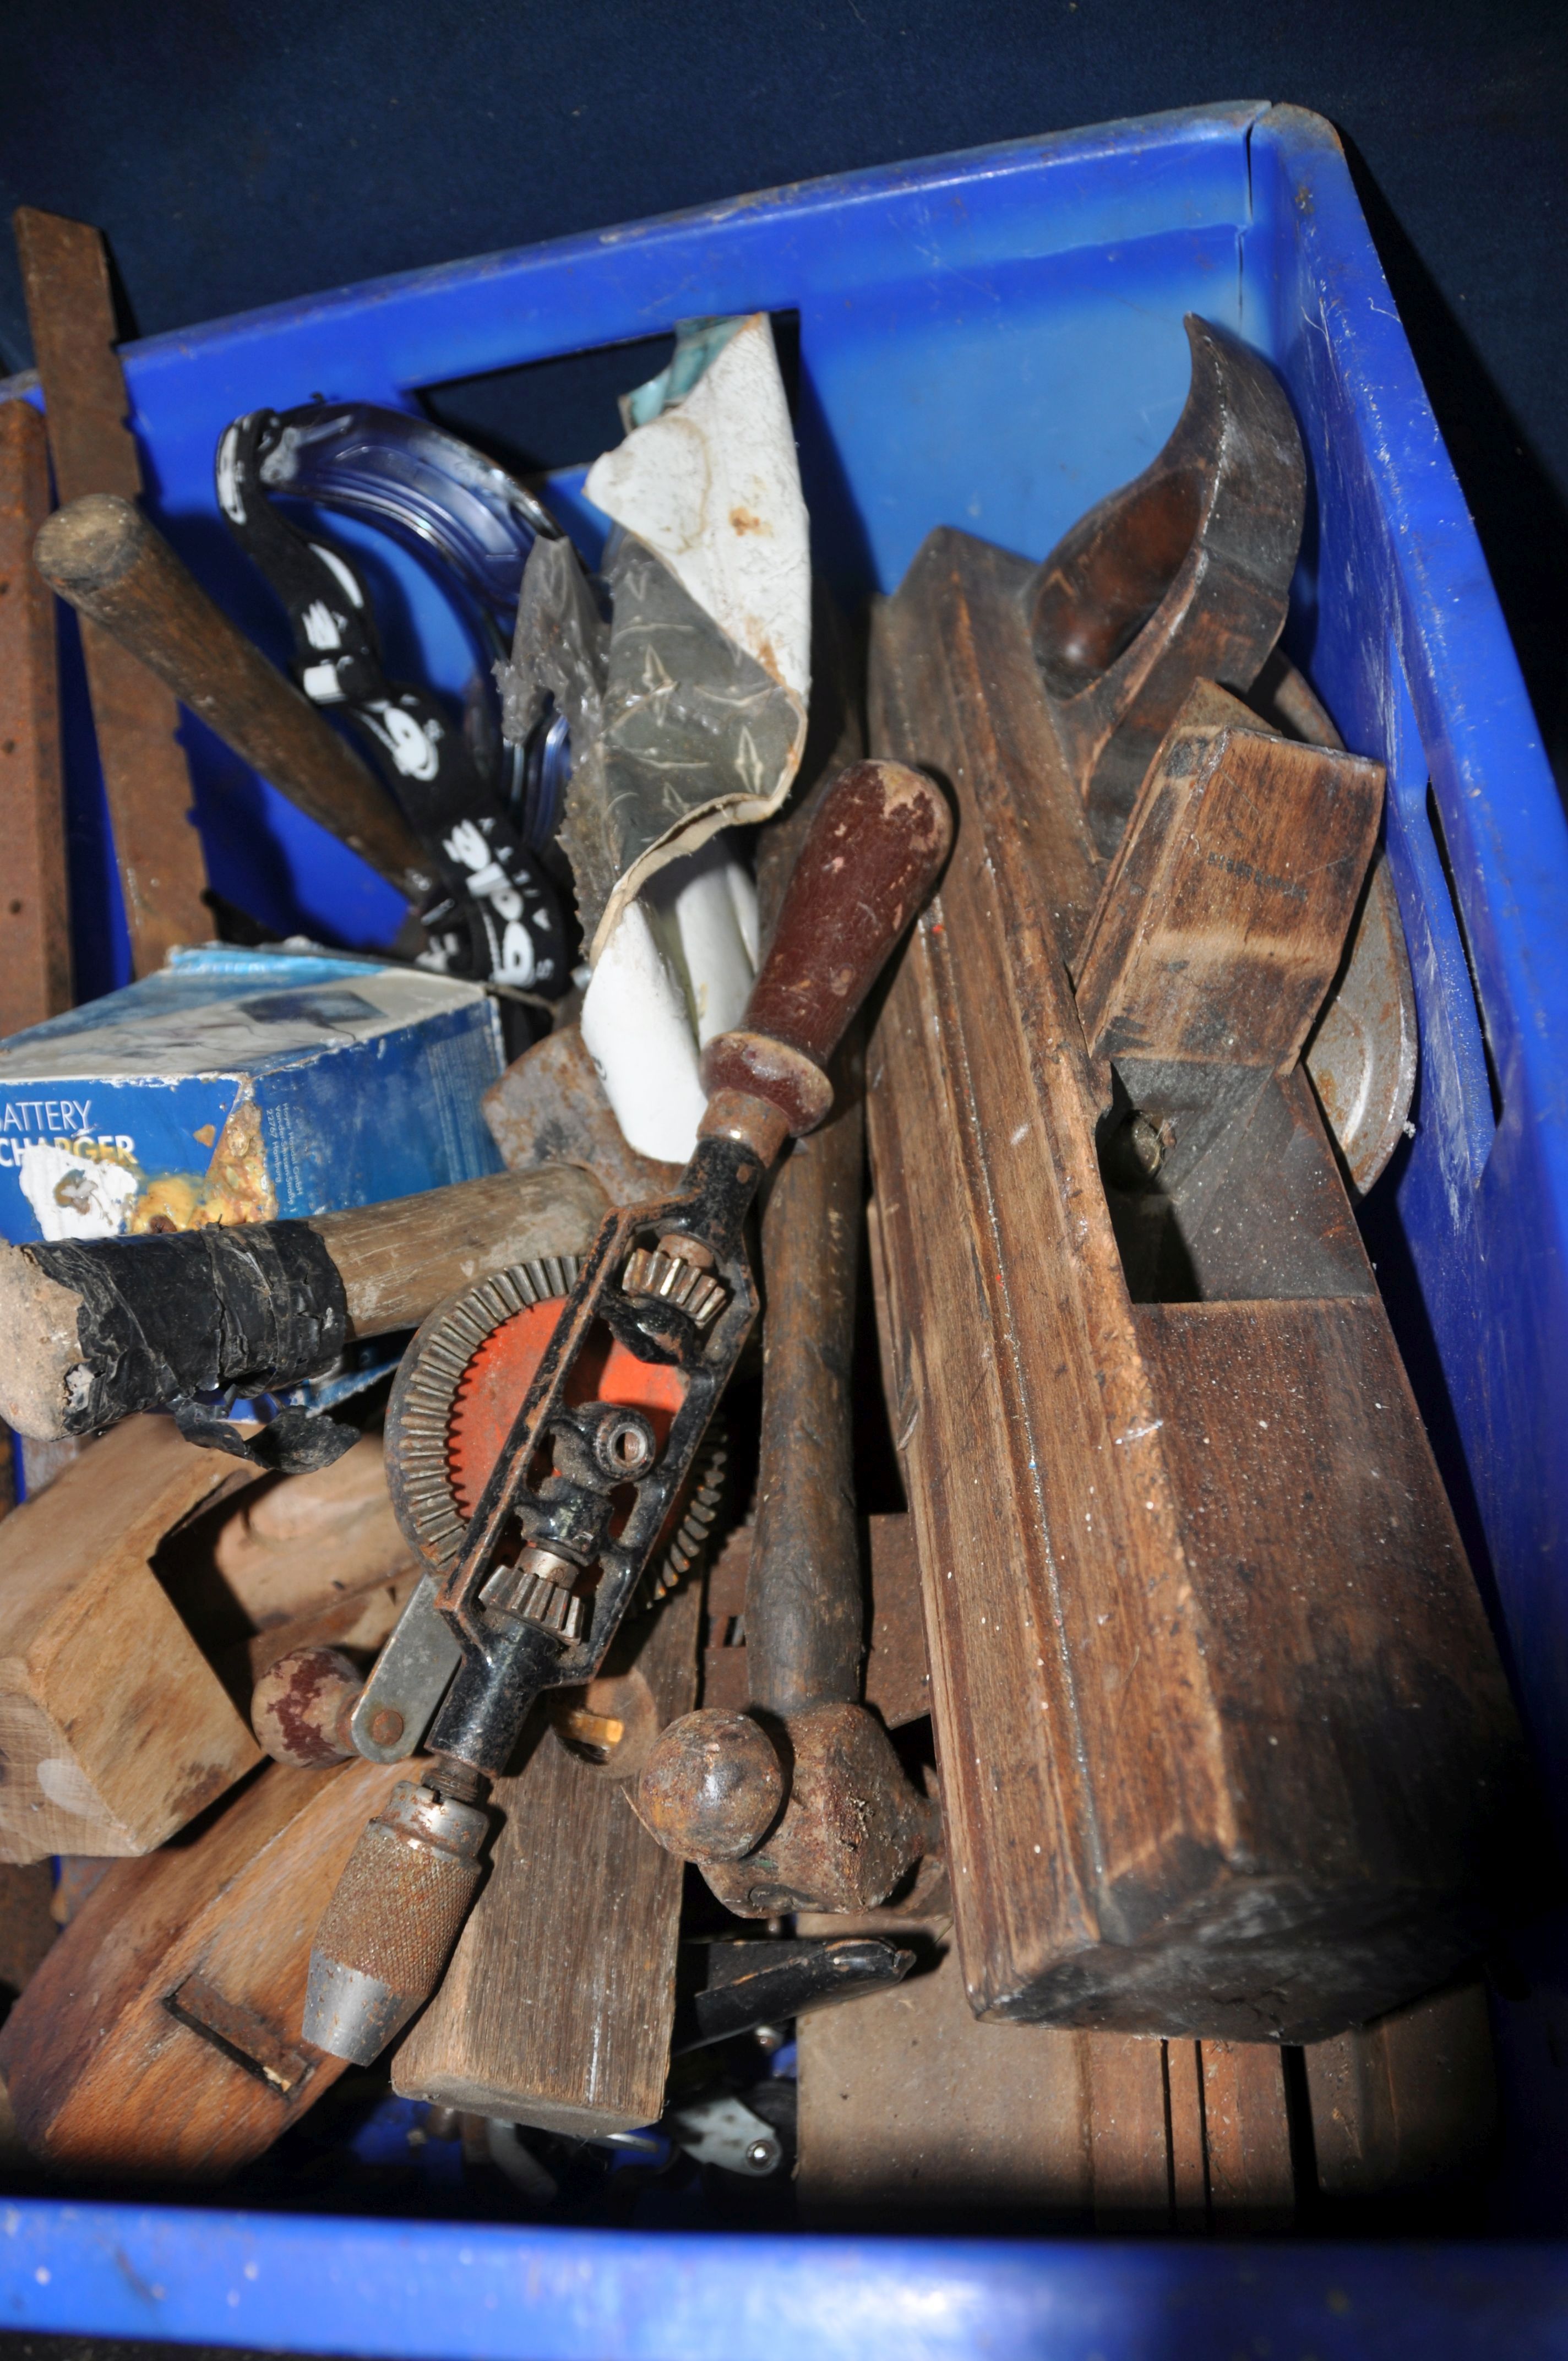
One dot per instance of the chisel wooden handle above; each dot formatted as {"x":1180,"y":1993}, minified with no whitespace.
{"x":101,"y":553}
{"x":92,"y":1331}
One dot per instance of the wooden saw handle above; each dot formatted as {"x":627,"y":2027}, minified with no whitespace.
{"x":102,"y":554}
{"x":870,"y":855}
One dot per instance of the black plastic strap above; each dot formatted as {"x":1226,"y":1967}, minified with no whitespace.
{"x":166,"y":1318}
{"x":496,"y":915}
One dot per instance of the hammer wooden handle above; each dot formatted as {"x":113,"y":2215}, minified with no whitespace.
{"x":101,"y":553}
{"x":64,"y":1366}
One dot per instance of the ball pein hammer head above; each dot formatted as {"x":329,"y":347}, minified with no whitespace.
{"x":388,"y":1932}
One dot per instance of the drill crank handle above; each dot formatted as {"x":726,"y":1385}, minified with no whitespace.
{"x":872,"y":851}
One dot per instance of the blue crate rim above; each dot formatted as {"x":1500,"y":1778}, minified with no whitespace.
{"x":400,"y":2288}
{"x":421,"y":2291}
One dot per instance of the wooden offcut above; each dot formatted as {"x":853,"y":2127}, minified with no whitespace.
{"x":71,"y":313}
{"x":558,"y":2004}
{"x":115,"y":1728}
{"x":139,"y":1604}
{"x":35,"y":918}
{"x":910,"y":2108}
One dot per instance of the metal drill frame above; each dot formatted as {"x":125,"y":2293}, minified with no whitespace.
{"x":505,"y":1663}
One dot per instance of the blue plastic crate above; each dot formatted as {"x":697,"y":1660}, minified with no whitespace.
{"x":990,"y":340}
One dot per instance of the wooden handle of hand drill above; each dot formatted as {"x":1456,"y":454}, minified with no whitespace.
{"x":870,"y":855}
{"x":102,"y":556}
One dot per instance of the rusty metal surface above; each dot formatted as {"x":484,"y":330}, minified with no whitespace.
{"x":240,"y":2032}
{"x":849,"y":1829}
{"x":70,"y":314}
{"x":550,"y":1107}
{"x":897,"y":1674}
{"x":34,"y":929}
{"x":712,"y":1786}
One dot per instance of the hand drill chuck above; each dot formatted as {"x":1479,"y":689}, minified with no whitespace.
{"x":388,"y":1932}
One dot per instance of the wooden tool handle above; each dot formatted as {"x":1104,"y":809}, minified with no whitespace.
{"x":64,"y":1363}
{"x":872,"y":853}
{"x":102,"y":554}
{"x":398,"y":1259}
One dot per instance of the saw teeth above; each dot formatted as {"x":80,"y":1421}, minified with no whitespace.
{"x":670,"y":1279}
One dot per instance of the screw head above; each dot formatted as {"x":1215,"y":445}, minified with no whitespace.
{"x":385,"y":1727}
{"x":762,"y":2155}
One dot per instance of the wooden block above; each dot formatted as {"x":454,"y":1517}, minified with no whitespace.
{"x":293,"y":1544}
{"x":359,"y":1620}
{"x":1151,"y":1827}
{"x":1226,"y":908}
{"x":139,"y":1604}
{"x":114,"y":1728}
{"x":71,"y":313}
{"x":558,"y":2004}
{"x":35,"y":918}
{"x":1246,"y":2133}
{"x":1129,"y":2145}
{"x":1409,"y":2102}
{"x":161,"y":2037}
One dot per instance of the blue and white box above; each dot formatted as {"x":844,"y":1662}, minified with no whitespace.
{"x":243,"y":1086}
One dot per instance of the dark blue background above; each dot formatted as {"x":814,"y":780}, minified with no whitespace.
{"x":242,"y":155}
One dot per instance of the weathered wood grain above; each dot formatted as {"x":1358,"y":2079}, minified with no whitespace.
{"x":104,"y":2076}
{"x":1224,"y":911}
{"x":558,"y":2004}
{"x":1408,"y":2104}
{"x":71,"y":313}
{"x":910,"y":2106}
{"x":35,"y":920}
{"x":114,"y":1728}
{"x":398,"y":1261}
{"x":1129,"y":1849}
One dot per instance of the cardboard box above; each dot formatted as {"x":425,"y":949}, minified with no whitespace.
{"x":240,"y":1086}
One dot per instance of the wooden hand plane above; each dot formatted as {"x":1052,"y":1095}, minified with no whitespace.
{"x":1225,"y":1747}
